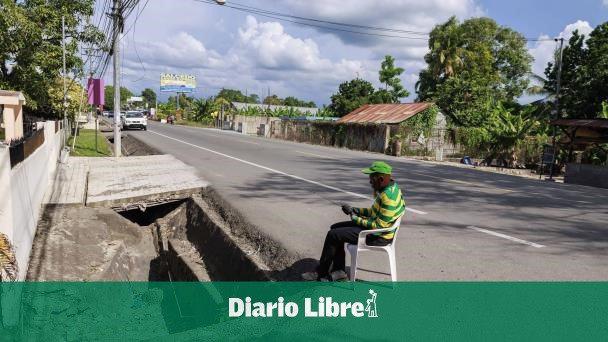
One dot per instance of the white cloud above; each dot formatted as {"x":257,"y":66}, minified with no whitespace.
{"x":405,"y":15}
{"x":181,"y":51}
{"x":225,"y":48}
{"x":262,"y":55}
{"x":543,"y":50}
{"x":605,"y":2}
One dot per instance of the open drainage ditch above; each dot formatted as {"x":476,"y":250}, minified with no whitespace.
{"x":202,"y":239}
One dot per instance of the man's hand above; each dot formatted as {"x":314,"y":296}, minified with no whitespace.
{"x":347,"y":209}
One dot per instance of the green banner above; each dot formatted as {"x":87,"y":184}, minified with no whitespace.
{"x":220,"y":311}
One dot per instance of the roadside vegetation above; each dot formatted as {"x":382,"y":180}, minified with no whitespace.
{"x":476,"y":73}
{"x":85,"y":144}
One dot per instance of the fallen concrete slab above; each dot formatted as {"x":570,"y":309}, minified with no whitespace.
{"x":124,"y":183}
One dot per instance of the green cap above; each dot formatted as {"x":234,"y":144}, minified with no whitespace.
{"x":378,"y":167}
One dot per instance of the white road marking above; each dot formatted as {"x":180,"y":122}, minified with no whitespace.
{"x":281,"y":172}
{"x":482,"y":185}
{"x":506,"y":237}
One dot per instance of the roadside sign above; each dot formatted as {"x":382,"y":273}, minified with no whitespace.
{"x":548,"y":154}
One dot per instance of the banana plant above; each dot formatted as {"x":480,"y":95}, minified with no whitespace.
{"x":508,"y":129}
{"x":604,"y":113}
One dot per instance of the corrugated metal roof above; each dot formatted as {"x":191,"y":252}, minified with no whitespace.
{"x":242,"y":105}
{"x":594,"y":123}
{"x":390,"y":113}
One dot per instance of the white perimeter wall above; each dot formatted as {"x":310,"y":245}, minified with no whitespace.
{"x":22,"y":191}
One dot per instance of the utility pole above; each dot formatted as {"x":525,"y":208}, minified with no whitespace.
{"x":117,"y":16}
{"x":65,"y":85}
{"x":557,"y":90}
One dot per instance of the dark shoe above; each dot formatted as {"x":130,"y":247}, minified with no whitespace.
{"x":339,"y":275}
{"x":314,"y":276}
{"x":310,"y":276}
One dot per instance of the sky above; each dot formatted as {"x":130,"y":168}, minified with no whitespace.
{"x":225,"y":48}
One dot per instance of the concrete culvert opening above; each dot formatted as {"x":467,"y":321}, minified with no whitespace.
{"x":201,"y":238}
{"x":146,"y":216}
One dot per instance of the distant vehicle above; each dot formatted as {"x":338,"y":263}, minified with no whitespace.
{"x":134,"y":120}
{"x":106,"y":113}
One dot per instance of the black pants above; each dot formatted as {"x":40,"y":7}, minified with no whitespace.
{"x":333,"y":255}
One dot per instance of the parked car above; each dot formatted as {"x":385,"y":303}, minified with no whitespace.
{"x":134,"y":120}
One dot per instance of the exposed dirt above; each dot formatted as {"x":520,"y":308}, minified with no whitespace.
{"x":131,"y":146}
{"x":78,"y":243}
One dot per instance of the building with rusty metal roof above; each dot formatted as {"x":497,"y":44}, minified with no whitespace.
{"x":388,"y":113}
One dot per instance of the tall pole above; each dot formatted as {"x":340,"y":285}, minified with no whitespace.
{"x":557,"y":90}
{"x":65,"y":85}
{"x":116,"y":77}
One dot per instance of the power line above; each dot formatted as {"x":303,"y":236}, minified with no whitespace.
{"x":136,"y":17}
{"x":283,"y":17}
{"x":313,"y":22}
{"x":135,"y":42}
{"x":331,"y":22}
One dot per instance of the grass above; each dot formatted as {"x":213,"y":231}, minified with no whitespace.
{"x":85,"y":144}
{"x":205,"y":124}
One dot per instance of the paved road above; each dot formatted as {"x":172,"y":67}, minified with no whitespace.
{"x":462,"y":224}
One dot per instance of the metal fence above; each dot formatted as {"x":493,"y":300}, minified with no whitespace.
{"x":33,"y":137}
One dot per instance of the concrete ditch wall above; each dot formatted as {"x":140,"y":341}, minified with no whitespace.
{"x":590,"y":175}
{"x":22,"y":191}
{"x":355,"y":136}
{"x":199,"y":246}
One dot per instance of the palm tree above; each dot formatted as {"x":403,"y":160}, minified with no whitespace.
{"x":446,"y":48}
{"x":8,"y":262}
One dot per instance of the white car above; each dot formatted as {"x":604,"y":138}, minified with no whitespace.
{"x":134,"y":120}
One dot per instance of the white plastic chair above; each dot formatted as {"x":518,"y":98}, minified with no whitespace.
{"x":363,"y":246}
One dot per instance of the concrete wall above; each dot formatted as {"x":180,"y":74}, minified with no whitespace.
{"x":22,"y":191}
{"x":583,"y":174}
{"x":250,"y":124}
{"x":364,"y":137}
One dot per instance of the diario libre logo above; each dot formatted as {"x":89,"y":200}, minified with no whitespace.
{"x":321,"y":307}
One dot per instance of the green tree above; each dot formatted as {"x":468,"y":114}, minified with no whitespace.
{"x":149,"y":97}
{"x":295,"y":102}
{"x":273,"y":100}
{"x":125,"y":93}
{"x":584,"y":78}
{"x":389,"y":76}
{"x":472,"y":66}
{"x":31,"y":48}
{"x":185,"y":101}
{"x":234,"y":95}
{"x":253,"y":98}
{"x":350,"y":96}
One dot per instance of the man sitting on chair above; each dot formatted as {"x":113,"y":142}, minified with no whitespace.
{"x":387,"y":207}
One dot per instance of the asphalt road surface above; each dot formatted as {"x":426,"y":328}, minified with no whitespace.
{"x":461,"y":224}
